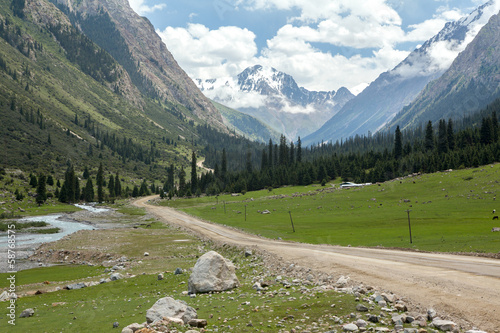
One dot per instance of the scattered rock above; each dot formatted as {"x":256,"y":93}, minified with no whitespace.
{"x":431,"y":314}
{"x":75,"y":286}
{"x":342,"y":281}
{"x":350,"y":328}
{"x":266,"y":212}
{"x":167,"y":307}
{"x":444,"y":325}
{"x":132,"y":328}
{"x":116,"y":276}
{"x":27,"y":313}
{"x":178,"y":271}
{"x":146,"y":254}
{"x":160,"y":277}
{"x":248,"y":253}
{"x":361,"y":308}
{"x":199,"y":323}
{"x":116,"y":324}
{"x":212,"y":272}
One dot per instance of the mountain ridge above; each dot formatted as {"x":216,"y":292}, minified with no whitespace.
{"x":379,"y":103}
{"x":275,"y":98}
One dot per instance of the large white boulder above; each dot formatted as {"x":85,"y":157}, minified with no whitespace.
{"x":167,"y":307}
{"x":212,"y":272}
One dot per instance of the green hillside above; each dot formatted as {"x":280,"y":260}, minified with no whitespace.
{"x":62,"y":98}
{"x":246,"y":125}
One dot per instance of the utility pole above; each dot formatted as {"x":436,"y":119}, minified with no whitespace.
{"x":409,"y":224}
{"x":291,"y":220}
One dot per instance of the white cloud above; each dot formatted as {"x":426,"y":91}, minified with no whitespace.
{"x":141,"y":8}
{"x":206,"y":53}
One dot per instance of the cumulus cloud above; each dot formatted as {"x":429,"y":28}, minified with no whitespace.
{"x":206,"y":53}
{"x":141,"y":8}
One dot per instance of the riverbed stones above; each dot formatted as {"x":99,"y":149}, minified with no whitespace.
{"x":212,"y":272}
{"x":178,"y":271}
{"x":76,"y":286}
{"x":167,"y":307}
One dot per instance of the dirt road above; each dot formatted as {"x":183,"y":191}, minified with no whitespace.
{"x":465,"y":288}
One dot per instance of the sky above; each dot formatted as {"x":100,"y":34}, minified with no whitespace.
{"x":323,"y":44}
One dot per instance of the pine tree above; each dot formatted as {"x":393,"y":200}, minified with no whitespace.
{"x":442,"y":137}
{"x":495,"y":125}
{"x":249,"y":161}
{"x":398,"y":144}
{"x":299,"y":151}
{"x":194,"y":175}
{"x":118,"y":186}
{"x":429,"y":137}
{"x":88,"y":195}
{"x":86,"y":173}
{"x":451,"y":135}
{"x":111,"y":186}
{"x":486,"y":131}
{"x":100,"y":182}
{"x":270,"y":157}
{"x":50,"y":180}
{"x":182,"y":182}
{"x":33,"y":181}
{"x":41,"y":190}
{"x":223,"y":170}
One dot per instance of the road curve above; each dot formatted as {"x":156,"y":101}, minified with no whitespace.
{"x":464,"y":287}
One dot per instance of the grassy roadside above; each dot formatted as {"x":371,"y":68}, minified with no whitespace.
{"x":302,"y":304}
{"x":449,"y":212}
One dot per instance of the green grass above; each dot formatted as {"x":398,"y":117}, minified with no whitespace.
{"x":449,"y":212}
{"x":127,"y":301}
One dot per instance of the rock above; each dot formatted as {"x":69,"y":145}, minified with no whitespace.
{"x":475,"y":331}
{"x":398,"y":320}
{"x":199,"y":323}
{"x":410,"y":330}
{"x":248,"y":253}
{"x":132,"y":328}
{"x":146,"y":254}
{"x":342,"y":281}
{"x":431,"y":314}
{"x":27,"y":313}
{"x":257,"y":286}
{"x":178,"y":271}
{"x":116,"y":324}
{"x":212,"y":272}
{"x":400,"y":307}
{"x":389,"y":298}
{"x":444,"y":325}
{"x":350,"y":328}
{"x":361,"y":323}
{"x":4,"y":296}
{"x":266,"y":212}
{"x":168,"y":307}
{"x":373,"y":319}
{"x":160,"y":277}
{"x":361,"y":308}
{"x":75,"y":286}
{"x":115,"y":276}
{"x":173,"y":320}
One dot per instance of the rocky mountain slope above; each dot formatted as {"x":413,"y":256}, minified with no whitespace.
{"x":471,"y":83}
{"x":391,"y":91}
{"x":63,"y":98}
{"x":274,"y":98}
{"x":151,"y":64}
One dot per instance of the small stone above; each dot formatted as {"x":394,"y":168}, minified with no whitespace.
{"x":248,"y":253}
{"x":199,"y":323}
{"x":178,"y":271}
{"x":116,"y":324}
{"x":431,"y":314}
{"x":361,"y":308}
{"x":373,"y":319}
{"x":27,"y":313}
{"x":160,"y":277}
{"x":444,"y":325}
{"x":116,"y":276}
{"x":146,"y":254}
{"x":350,"y":328}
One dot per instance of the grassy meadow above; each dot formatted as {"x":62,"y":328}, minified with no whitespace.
{"x":449,"y":212}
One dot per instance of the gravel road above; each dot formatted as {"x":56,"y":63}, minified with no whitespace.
{"x":464,"y":287}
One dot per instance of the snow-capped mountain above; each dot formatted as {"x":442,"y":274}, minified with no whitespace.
{"x":275,"y":98}
{"x":378,"y":104}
